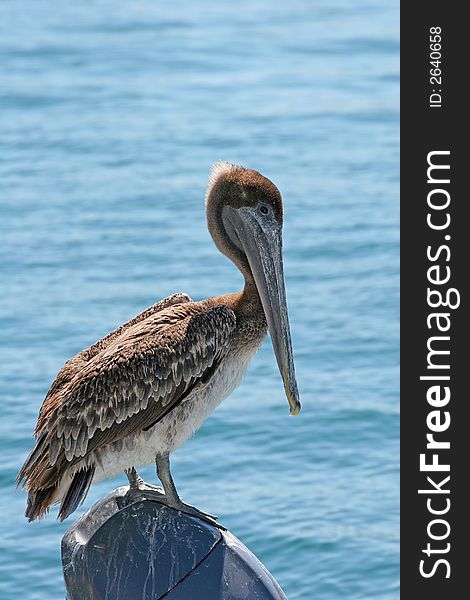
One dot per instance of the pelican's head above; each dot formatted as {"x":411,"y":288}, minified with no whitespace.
{"x":244,"y":217}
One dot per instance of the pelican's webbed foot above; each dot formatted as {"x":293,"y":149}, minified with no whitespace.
{"x":141,"y":490}
{"x":194,"y":512}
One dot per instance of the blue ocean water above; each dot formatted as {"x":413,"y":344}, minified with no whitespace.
{"x":111,"y":115}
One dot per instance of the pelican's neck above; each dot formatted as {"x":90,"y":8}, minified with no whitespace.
{"x":245,"y":303}
{"x":250,"y":291}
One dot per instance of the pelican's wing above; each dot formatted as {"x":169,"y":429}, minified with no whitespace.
{"x":79,"y":361}
{"x":128,"y":386}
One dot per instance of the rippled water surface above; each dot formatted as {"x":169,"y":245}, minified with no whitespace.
{"x":111,"y":115}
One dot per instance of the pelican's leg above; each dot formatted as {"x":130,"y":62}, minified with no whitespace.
{"x":140,"y":489}
{"x":171,"y":495}
{"x":136,"y":482}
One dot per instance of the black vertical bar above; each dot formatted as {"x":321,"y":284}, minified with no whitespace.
{"x":433,"y":119}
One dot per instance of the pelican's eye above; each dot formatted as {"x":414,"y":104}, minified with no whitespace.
{"x":263,"y":209}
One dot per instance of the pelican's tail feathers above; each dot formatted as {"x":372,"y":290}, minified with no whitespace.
{"x":76,"y":492}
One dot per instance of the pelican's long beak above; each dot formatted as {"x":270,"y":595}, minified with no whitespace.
{"x":262,"y":245}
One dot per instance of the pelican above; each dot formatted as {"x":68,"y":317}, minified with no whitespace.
{"x":137,"y":394}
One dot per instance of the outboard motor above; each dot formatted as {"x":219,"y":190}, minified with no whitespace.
{"x":147,"y":551}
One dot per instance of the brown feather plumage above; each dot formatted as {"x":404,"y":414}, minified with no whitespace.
{"x":125,"y":383}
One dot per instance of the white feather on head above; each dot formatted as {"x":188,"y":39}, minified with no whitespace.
{"x":220,"y":168}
